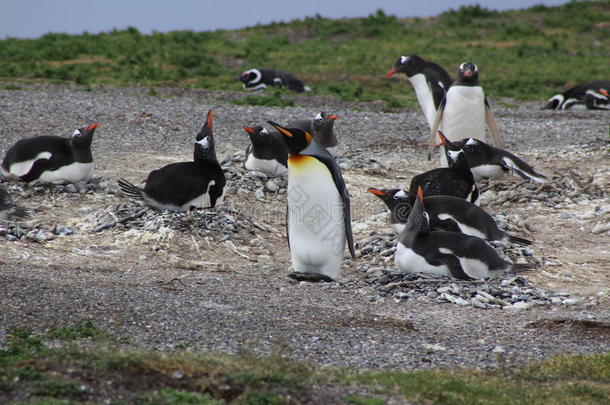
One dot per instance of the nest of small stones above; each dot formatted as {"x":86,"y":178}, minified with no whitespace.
{"x":221,"y":223}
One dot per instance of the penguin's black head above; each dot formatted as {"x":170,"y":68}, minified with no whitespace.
{"x":397,"y":200}
{"x":258,"y":135}
{"x":468,"y":73}
{"x":249,"y":76}
{"x":554,"y":102}
{"x":82,"y":137}
{"x":449,"y":145}
{"x":204,"y":142}
{"x":418,"y":220}
{"x":295,"y":138}
{"x":406,"y":64}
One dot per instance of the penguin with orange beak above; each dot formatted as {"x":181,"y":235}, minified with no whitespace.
{"x":318,"y":217}
{"x":51,"y":158}
{"x":465,"y":111}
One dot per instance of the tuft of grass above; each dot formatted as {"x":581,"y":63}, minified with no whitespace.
{"x":273,"y":98}
{"x":82,"y":331}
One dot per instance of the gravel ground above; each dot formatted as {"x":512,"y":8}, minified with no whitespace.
{"x":217,"y":280}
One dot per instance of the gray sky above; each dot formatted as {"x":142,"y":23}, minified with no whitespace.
{"x":32,"y":18}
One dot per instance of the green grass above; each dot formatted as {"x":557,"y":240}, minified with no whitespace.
{"x":70,"y":375}
{"x":525,"y":54}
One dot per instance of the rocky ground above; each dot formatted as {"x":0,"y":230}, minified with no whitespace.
{"x":216,"y":280}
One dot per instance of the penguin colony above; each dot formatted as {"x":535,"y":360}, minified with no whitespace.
{"x":441,"y":230}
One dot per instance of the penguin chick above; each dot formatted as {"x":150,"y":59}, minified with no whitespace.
{"x":321,"y":127}
{"x":9,"y":211}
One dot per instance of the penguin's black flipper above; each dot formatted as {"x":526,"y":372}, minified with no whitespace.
{"x":455,"y":268}
{"x":325,"y":157}
{"x":438,"y":91}
{"x":492,"y":124}
{"x":130,"y":189}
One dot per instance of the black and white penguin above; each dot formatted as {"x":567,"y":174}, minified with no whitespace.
{"x":465,"y":111}
{"x":9,"y":211}
{"x":321,"y":126}
{"x":456,"y":180}
{"x":465,"y":257}
{"x":488,"y":162}
{"x":446,"y":213}
{"x":257,"y":79}
{"x":185,"y":185}
{"x":429,"y":80}
{"x":267,"y":152}
{"x":318,"y":218}
{"x":52,"y":158}
{"x":593,"y":95}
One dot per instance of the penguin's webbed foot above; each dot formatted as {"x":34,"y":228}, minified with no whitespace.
{"x":310,"y":277}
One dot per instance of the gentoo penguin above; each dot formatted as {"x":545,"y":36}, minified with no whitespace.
{"x":488,"y":162}
{"x":185,"y":185}
{"x":257,"y":79}
{"x":321,"y":127}
{"x":267,"y":152}
{"x":9,"y":210}
{"x":422,"y":250}
{"x":52,"y":158}
{"x":429,"y":80}
{"x":465,"y":111}
{"x":446,"y":213}
{"x":594,"y":95}
{"x":318,"y":220}
{"x":456,"y":180}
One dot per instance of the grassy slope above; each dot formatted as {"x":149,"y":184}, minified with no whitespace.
{"x":109,"y":369}
{"x":525,"y":54}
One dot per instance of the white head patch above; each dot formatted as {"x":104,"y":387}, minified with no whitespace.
{"x":400,"y":194}
{"x":471,"y":141}
{"x":318,"y":117}
{"x":205,"y":142}
{"x":404,"y":59}
{"x":76,"y":133}
{"x":453,"y":154}
{"x":256,"y":72}
{"x":264,"y":131}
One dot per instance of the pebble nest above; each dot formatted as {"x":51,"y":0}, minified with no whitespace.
{"x":372,"y":317}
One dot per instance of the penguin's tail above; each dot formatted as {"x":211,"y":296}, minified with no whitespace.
{"x":524,"y":170}
{"x":19,"y":212}
{"x":523,"y":267}
{"x":129,"y":189}
{"x":520,"y":241}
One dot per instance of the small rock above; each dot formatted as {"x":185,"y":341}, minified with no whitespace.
{"x":570,"y":301}
{"x":272,"y":186}
{"x":499,"y":349}
{"x":601,"y":228}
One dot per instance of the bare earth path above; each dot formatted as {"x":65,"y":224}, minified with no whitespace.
{"x":172,"y":287}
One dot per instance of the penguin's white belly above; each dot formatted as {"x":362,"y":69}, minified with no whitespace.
{"x":22,"y":168}
{"x":73,"y":173}
{"x":270,"y":167}
{"x":486,"y":172}
{"x":408,"y":261}
{"x":424,"y":96}
{"x":464,"y":114}
{"x":316,"y":227}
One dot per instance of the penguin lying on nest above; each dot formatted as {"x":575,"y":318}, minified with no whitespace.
{"x":51,"y":158}
{"x":257,"y":79}
{"x":487,"y":162}
{"x":593,"y":95}
{"x":465,"y":257}
{"x":185,"y":185}
{"x":446,"y":213}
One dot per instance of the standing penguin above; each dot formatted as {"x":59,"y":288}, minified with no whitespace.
{"x":465,"y":111}
{"x":488,"y":162}
{"x":52,"y":158}
{"x":318,"y":220}
{"x":429,"y":80}
{"x":321,"y":127}
{"x":465,"y":257}
{"x":9,"y":210}
{"x":456,"y":180}
{"x":257,"y":79}
{"x":267,"y":152}
{"x":185,"y":185}
{"x":446,"y":213}
{"x":594,"y":95}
